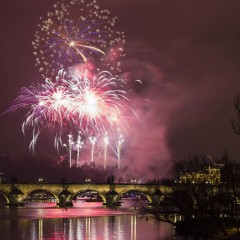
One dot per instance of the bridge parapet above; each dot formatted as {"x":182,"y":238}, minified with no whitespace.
{"x":110,"y":193}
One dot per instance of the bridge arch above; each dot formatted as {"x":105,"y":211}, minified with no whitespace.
{"x":43,"y":190}
{"x":147,"y":194}
{"x":89,"y":190}
{"x":5,"y":197}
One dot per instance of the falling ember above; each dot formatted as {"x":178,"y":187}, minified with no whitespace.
{"x":79,"y":146}
{"x":77,"y":32}
{"x":69,"y":148}
{"x":92,"y":142}
{"x":70,"y":143}
{"x":106,"y":142}
{"x":120,"y":141}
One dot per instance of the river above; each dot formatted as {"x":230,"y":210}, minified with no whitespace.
{"x":84,"y":221}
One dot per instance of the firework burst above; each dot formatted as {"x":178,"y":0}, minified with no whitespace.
{"x":99,"y":103}
{"x":90,"y":105}
{"x":77,"y":32}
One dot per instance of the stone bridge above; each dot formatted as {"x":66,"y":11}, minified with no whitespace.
{"x":16,"y":194}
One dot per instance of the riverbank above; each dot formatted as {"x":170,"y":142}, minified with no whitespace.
{"x":232,"y":234}
{"x":213,"y":228}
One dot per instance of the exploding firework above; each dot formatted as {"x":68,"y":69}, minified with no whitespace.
{"x":77,"y":32}
{"x":99,"y":103}
{"x":48,"y":105}
{"x":90,"y":105}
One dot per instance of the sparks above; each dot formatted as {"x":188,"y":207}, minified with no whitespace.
{"x":75,"y":33}
{"x":91,"y":105}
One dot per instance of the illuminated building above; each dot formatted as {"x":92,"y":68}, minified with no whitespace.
{"x":210,"y":175}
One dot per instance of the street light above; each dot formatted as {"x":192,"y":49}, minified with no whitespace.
{"x":40,"y":180}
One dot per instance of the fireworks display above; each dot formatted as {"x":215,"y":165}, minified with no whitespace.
{"x":80,"y":37}
{"x":89,"y":105}
{"x":77,"y":32}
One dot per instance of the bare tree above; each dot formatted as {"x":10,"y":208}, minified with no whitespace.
{"x":197,"y":199}
{"x":231,"y":179}
{"x":236,"y":122}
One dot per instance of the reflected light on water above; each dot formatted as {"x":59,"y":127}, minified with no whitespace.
{"x":133,"y":227}
{"x":40,"y":229}
{"x":79,"y":229}
{"x":106,"y":231}
{"x":96,"y":228}
{"x":79,"y":223}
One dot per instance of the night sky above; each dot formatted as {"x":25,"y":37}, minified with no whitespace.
{"x":187,"y":55}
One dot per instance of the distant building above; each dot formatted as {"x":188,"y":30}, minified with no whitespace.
{"x":210,"y":175}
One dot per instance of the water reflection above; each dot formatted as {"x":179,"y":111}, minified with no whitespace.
{"x":90,"y":228}
{"x":40,"y":229}
{"x":42,"y":221}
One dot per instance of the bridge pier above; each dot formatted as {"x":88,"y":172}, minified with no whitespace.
{"x":65,"y":199}
{"x":111,"y":199}
{"x":16,"y":198}
{"x":15,"y":194}
{"x":157,"y":197}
